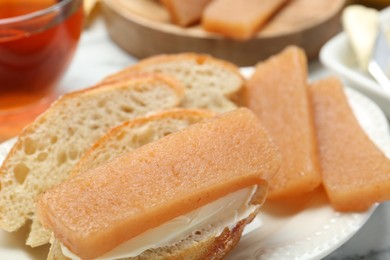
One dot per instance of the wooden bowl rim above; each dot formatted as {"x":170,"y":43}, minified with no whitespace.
{"x":195,"y":32}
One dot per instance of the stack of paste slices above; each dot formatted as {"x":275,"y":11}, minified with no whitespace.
{"x":239,"y":20}
{"x":163,"y":147}
{"x":319,"y":138}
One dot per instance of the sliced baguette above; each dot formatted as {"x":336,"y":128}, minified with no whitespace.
{"x":130,"y":135}
{"x":47,"y":149}
{"x":135,"y":133}
{"x":210,"y":83}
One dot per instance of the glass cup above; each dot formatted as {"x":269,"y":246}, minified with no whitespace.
{"x":37,"y":42}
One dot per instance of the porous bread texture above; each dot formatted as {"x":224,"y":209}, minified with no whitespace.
{"x":203,"y":243}
{"x":48,"y":148}
{"x":137,"y":132}
{"x":210,"y":83}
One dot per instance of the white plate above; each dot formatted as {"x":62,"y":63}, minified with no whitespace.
{"x":337,"y":55}
{"x":309,"y":229}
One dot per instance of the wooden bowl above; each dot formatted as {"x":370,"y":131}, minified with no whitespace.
{"x":143,"y":28}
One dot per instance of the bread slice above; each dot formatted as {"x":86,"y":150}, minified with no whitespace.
{"x":130,"y":135}
{"x":48,"y":148}
{"x":239,"y":19}
{"x":185,"y":13}
{"x":210,"y":83}
{"x":136,"y":133}
{"x":187,"y":169}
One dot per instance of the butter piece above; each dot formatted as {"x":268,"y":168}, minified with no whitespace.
{"x":224,"y":212}
{"x":361,"y":25}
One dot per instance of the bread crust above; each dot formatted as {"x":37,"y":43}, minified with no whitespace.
{"x":214,"y":83}
{"x":199,"y":58}
{"x":186,"y":56}
{"x":193,"y":115}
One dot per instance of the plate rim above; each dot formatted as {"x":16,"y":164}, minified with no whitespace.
{"x":329,"y":58}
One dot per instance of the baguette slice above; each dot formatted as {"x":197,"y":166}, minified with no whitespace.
{"x":210,"y":83}
{"x":185,"y":13}
{"x":278,"y":93}
{"x":356,"y":173}
{"x":130,"y":135}
{"x":136,"y":133}
{"x":239,"y":19}
{"x":97,"y":210}
{"x":47,"y":149}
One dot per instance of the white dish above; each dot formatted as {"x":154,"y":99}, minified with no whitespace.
{"x":337,"y":55}
{"x":311,"y":229}
{"x":307,"y":229}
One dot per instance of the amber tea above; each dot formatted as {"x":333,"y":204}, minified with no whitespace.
{"x":37,"y":41}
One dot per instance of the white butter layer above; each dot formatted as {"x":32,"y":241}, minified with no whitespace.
{"x":224,"y":212}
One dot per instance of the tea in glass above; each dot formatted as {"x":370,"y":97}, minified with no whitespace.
{"x":37,"y":42}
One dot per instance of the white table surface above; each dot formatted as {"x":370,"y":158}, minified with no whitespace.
{"x":97,"y":56}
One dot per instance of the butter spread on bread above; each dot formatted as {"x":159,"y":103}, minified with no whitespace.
{"x":97,"y":210}
{"x":212,"y":218}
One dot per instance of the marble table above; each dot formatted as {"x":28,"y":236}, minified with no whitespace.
{"x":97,"y":56}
